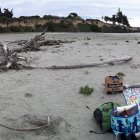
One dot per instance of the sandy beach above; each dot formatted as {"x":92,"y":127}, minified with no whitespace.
{"x":30,"y":96}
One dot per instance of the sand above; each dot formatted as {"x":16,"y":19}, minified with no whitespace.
{"x":27,"y":97}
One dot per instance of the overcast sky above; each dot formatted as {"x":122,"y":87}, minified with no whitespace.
{"x":84,"y":8}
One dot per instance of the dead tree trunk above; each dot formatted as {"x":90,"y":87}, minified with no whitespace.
{"x":117,"y":60}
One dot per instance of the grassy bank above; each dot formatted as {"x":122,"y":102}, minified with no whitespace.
{"x":53,"y":27}
{"x":66,"y":27}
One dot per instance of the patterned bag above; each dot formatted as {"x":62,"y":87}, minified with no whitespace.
{"x":126,"y":119}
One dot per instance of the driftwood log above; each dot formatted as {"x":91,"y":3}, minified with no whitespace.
{"x":48,"y":43}
{"x":8,"y":59}
{"x":137,"y":85}
{"x":52,"y":42}
{"x":42,"y":42}
{"x":116,"y":60}
{"x":28,"y":129}
{"x":18,"y":42}
{"x":32,"y":44}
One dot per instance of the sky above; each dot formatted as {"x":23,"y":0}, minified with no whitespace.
{"x":84,"y":8}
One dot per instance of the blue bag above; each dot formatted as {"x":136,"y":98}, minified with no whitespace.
{"x":126,"y":121}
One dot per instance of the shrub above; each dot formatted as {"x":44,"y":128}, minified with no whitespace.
{"x":120,"y":74}
{"x":95,"y":28}
{"x":86,"y":90}
{"x":3,"y":30}
{"x":27,"y":29}
{"x":114,"y":29}
{"x":83,"y":27}
{"x":14,"y":29}
{"x":50,"y":27}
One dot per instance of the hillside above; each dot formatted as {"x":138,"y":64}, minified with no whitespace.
{"x":71,"y":23}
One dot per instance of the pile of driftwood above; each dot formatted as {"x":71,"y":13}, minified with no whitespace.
{"x":52,"y":42}
{"x":38,"y":41}
{"x":31,"y":45}
{"x":42,"y":42}
{"x":9,"y":58}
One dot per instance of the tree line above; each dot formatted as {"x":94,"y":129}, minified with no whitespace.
{"x":119,"y":17}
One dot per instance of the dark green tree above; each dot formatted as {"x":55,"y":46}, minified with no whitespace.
{"x":119,"y":16}
{"x":125,"y":21}
{"x":106,"y":18}
{"x":7,"y":13}
{"x":73,"y":16}
{"x":0,"y":13}
{"x":122,"y":19}
{"x":114,"y":19}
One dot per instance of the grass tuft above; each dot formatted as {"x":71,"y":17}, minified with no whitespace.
{"x":86,"y":90}
{"x":120,"y":74}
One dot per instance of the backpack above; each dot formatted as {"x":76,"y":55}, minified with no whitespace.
{"x":102,"y":115}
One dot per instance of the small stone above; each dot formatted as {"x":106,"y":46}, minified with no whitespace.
{"x":28,"y":95}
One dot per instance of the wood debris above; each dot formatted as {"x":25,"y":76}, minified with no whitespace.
{"x":7,"y":58}
{"x":31,"y":45}
{"x":78,"y":66}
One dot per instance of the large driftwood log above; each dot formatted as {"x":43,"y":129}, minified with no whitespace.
{"x":52,"y":42}
{"x":42,"y":42}
{"x":137,"y":85}
{"x":32,"y":44}
{"x":117,"y":60}
{"x":48,"y":42}
{"x":8,"y":59}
